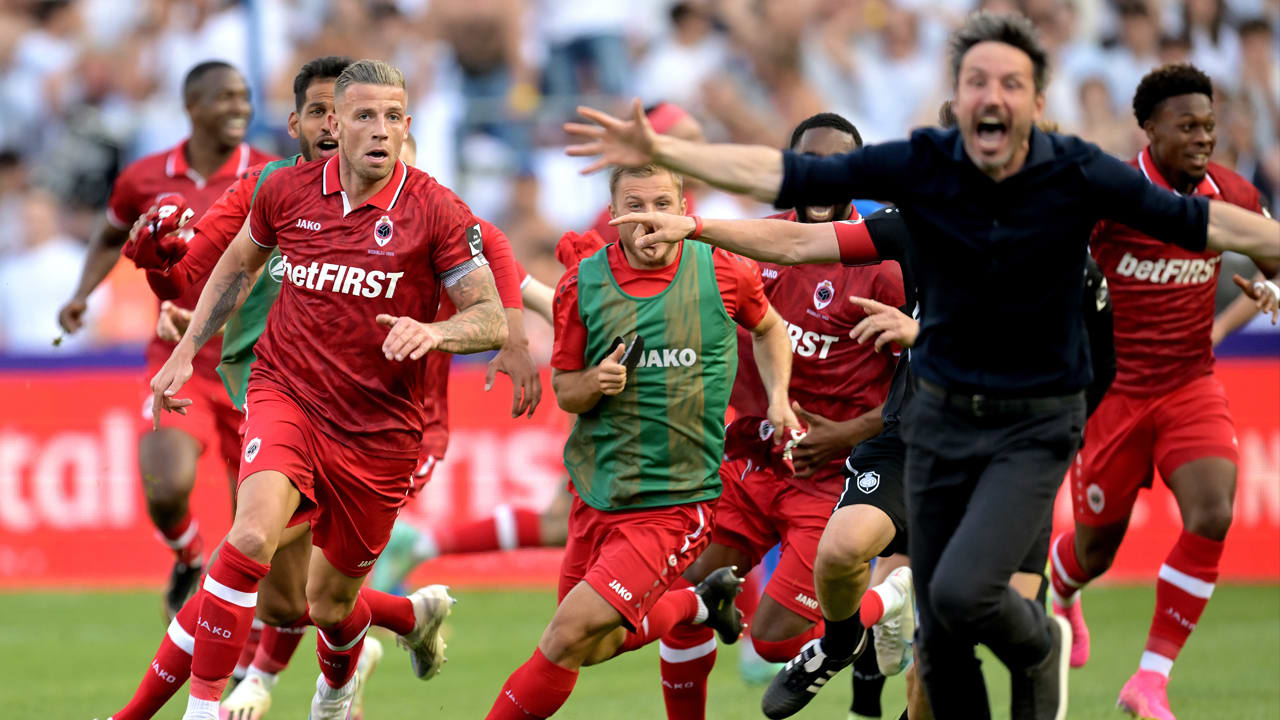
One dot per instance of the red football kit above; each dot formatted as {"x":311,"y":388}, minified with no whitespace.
{"x":622,"y":546}
{"x":831,"y":375}
{"x":1165,"y":407}
{"x":325,"y":407}
{"x":213,"y":421}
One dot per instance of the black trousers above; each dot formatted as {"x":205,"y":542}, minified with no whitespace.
{"x":980,"y":490}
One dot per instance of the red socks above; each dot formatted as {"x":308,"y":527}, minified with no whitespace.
{"x":1065,"y":572}
{"x":1182,"y":590}
{"x":169,"y":669}
{"x":687,"y":652}
{"x":249,"y":650}
{"x":508,"y":529}
{"x":781,"y":651}
{"x":536,"y":689}
{"x":338,"y":647}
{"x":392,"y":612}
{"x":673,"y":608}
{"x":278,"y":645}
{"x":226,"y":603}
{"x":183,"y":537}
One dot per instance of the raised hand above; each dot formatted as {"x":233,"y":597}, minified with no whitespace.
{"x":613,"y":140}
{"x":1264,"y":293}
{"x":658,"y":227}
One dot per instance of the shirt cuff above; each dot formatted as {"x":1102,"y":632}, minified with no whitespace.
{"x":856,"y":246}
{"x":784,"y":200}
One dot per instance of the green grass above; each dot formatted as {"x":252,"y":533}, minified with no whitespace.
{"x":79,"y":656}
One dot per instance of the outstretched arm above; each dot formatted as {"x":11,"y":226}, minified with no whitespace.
{"x":772,"y":348}
{"x":1233,"y":228}
{"x":104,"y":251}
{"x":781,"y":242}
{"x":753,"y":170}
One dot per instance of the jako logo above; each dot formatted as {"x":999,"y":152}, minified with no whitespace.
{"x":806,"y":601}
{"x":668,"y":357}
{"x":1162,"y":271}
{"x":220,"y":632}
{"x":163,"y":674}
{"x":623,"y":593}
{"x":345,"y":279}
{"x":311,"y":225}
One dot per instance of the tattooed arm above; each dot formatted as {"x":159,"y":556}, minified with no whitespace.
{"x":478,"y":325}
{"x":228,"y":285}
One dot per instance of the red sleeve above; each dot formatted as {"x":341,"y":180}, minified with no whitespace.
{"x":125,"y":204}
{"x":524,"y":277}
{"x":856,"y":247}
{"x":741,"y":289}
{"x":569,"y":350}
{"x":458,"y":235}
{"x":261,"y":228}
{"x":226,"y":216}
{"x":507,"y":273}
{"x":203,"y":253}
{"x":886,"y":286}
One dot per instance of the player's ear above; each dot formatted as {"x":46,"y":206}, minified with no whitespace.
{"x":293,"y":125}
{"x":331,"y":122}
{"x":684,"y":209}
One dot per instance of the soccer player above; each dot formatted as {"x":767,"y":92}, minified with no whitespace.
{"x":201,"y":167}
{"x":645,"y":449}
{"x":1167,"y":410}
{"x":333,"y":412}
{"x":837,"y":387}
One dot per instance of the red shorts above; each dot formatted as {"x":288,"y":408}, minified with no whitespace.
{"x":426,"y":467}
{"x":1129,"y":437}
{"x":211,"y":418}
{"x":760,"y":509}
{"x":350,"y":498}
{"x":631,"y":557}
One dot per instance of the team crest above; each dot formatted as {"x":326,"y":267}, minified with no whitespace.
{"x":251,"y":450}
{"x":766,"y":429}
{"x":1093,"y":495}
{"x":868,"y":482}
{"x":823,"y":295}
{"x":382,"y":230}
{"x":475,"y":239}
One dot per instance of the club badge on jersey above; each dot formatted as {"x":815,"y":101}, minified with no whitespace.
{"x":823,"y":295}
{"x":382,"y":230}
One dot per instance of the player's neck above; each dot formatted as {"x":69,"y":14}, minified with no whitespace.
{"x":357,"y":188}
{"x":206,"y":156}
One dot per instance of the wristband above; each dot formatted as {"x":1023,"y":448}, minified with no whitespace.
{"x":697,"y":228}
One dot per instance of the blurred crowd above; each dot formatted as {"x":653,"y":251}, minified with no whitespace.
{"x":91,"y":85}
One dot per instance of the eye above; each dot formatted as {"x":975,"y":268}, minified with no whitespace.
{"x":1209,"y":127}
{"x":394,"y":117}
{"x":363,"y":116}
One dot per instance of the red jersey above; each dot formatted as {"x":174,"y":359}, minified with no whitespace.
{"x":212,"y":234}
{"x":1163,"y":295}
{"x":507,"y":275}
{"x":135,"y":191}
{"x":610,"y":232}
{"x":343,"y":266}
{"x":737,"y":277}
{"x":831,"y":374}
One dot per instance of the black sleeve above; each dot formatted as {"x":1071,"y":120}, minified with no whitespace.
{"x":873,"y":171}
{"x":1122,"y":194}
{"x":1102,"y":342}
{"x":888,"y":233}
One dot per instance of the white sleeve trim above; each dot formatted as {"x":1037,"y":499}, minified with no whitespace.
{"x":255,"y":242}
{"x":451,"y":276}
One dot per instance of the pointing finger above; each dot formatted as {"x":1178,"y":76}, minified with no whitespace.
{"x":386,"y":320}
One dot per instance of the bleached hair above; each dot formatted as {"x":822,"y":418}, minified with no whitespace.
{"x":368,"y":72}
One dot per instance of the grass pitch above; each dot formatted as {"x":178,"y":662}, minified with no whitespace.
{"x":79,"y":656}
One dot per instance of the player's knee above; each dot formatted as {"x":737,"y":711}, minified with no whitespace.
{"x":565,"y":639}
{"x":329,"y":611}
{"x":1212,"y":520}
{"x":279,"y":610}
{"x":841,"y":554}
{"x":253,"y":541}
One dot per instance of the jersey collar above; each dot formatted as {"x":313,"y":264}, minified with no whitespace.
{"x":175,"y":165}
{"x":1147,"y":165}
{"x":384,"y":199}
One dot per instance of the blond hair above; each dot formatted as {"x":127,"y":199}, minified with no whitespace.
{"x":368,"y":72}
{"x":650,"y":170}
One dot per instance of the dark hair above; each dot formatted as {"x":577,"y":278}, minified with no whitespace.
{"x":197,"y":73}
{"x":1133,"y":8}
{"x":1254,"y":25}
{"x":825,"y":120}
{"x":329,"y":66}
{"x":682,"y":10}
{"x":1215,"y":23}
{"x":946,"y":115}
{"x":1165,"y":82}
{"x":1015,"y":30}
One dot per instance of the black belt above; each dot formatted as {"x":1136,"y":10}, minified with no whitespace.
{"x":988,"y":405}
